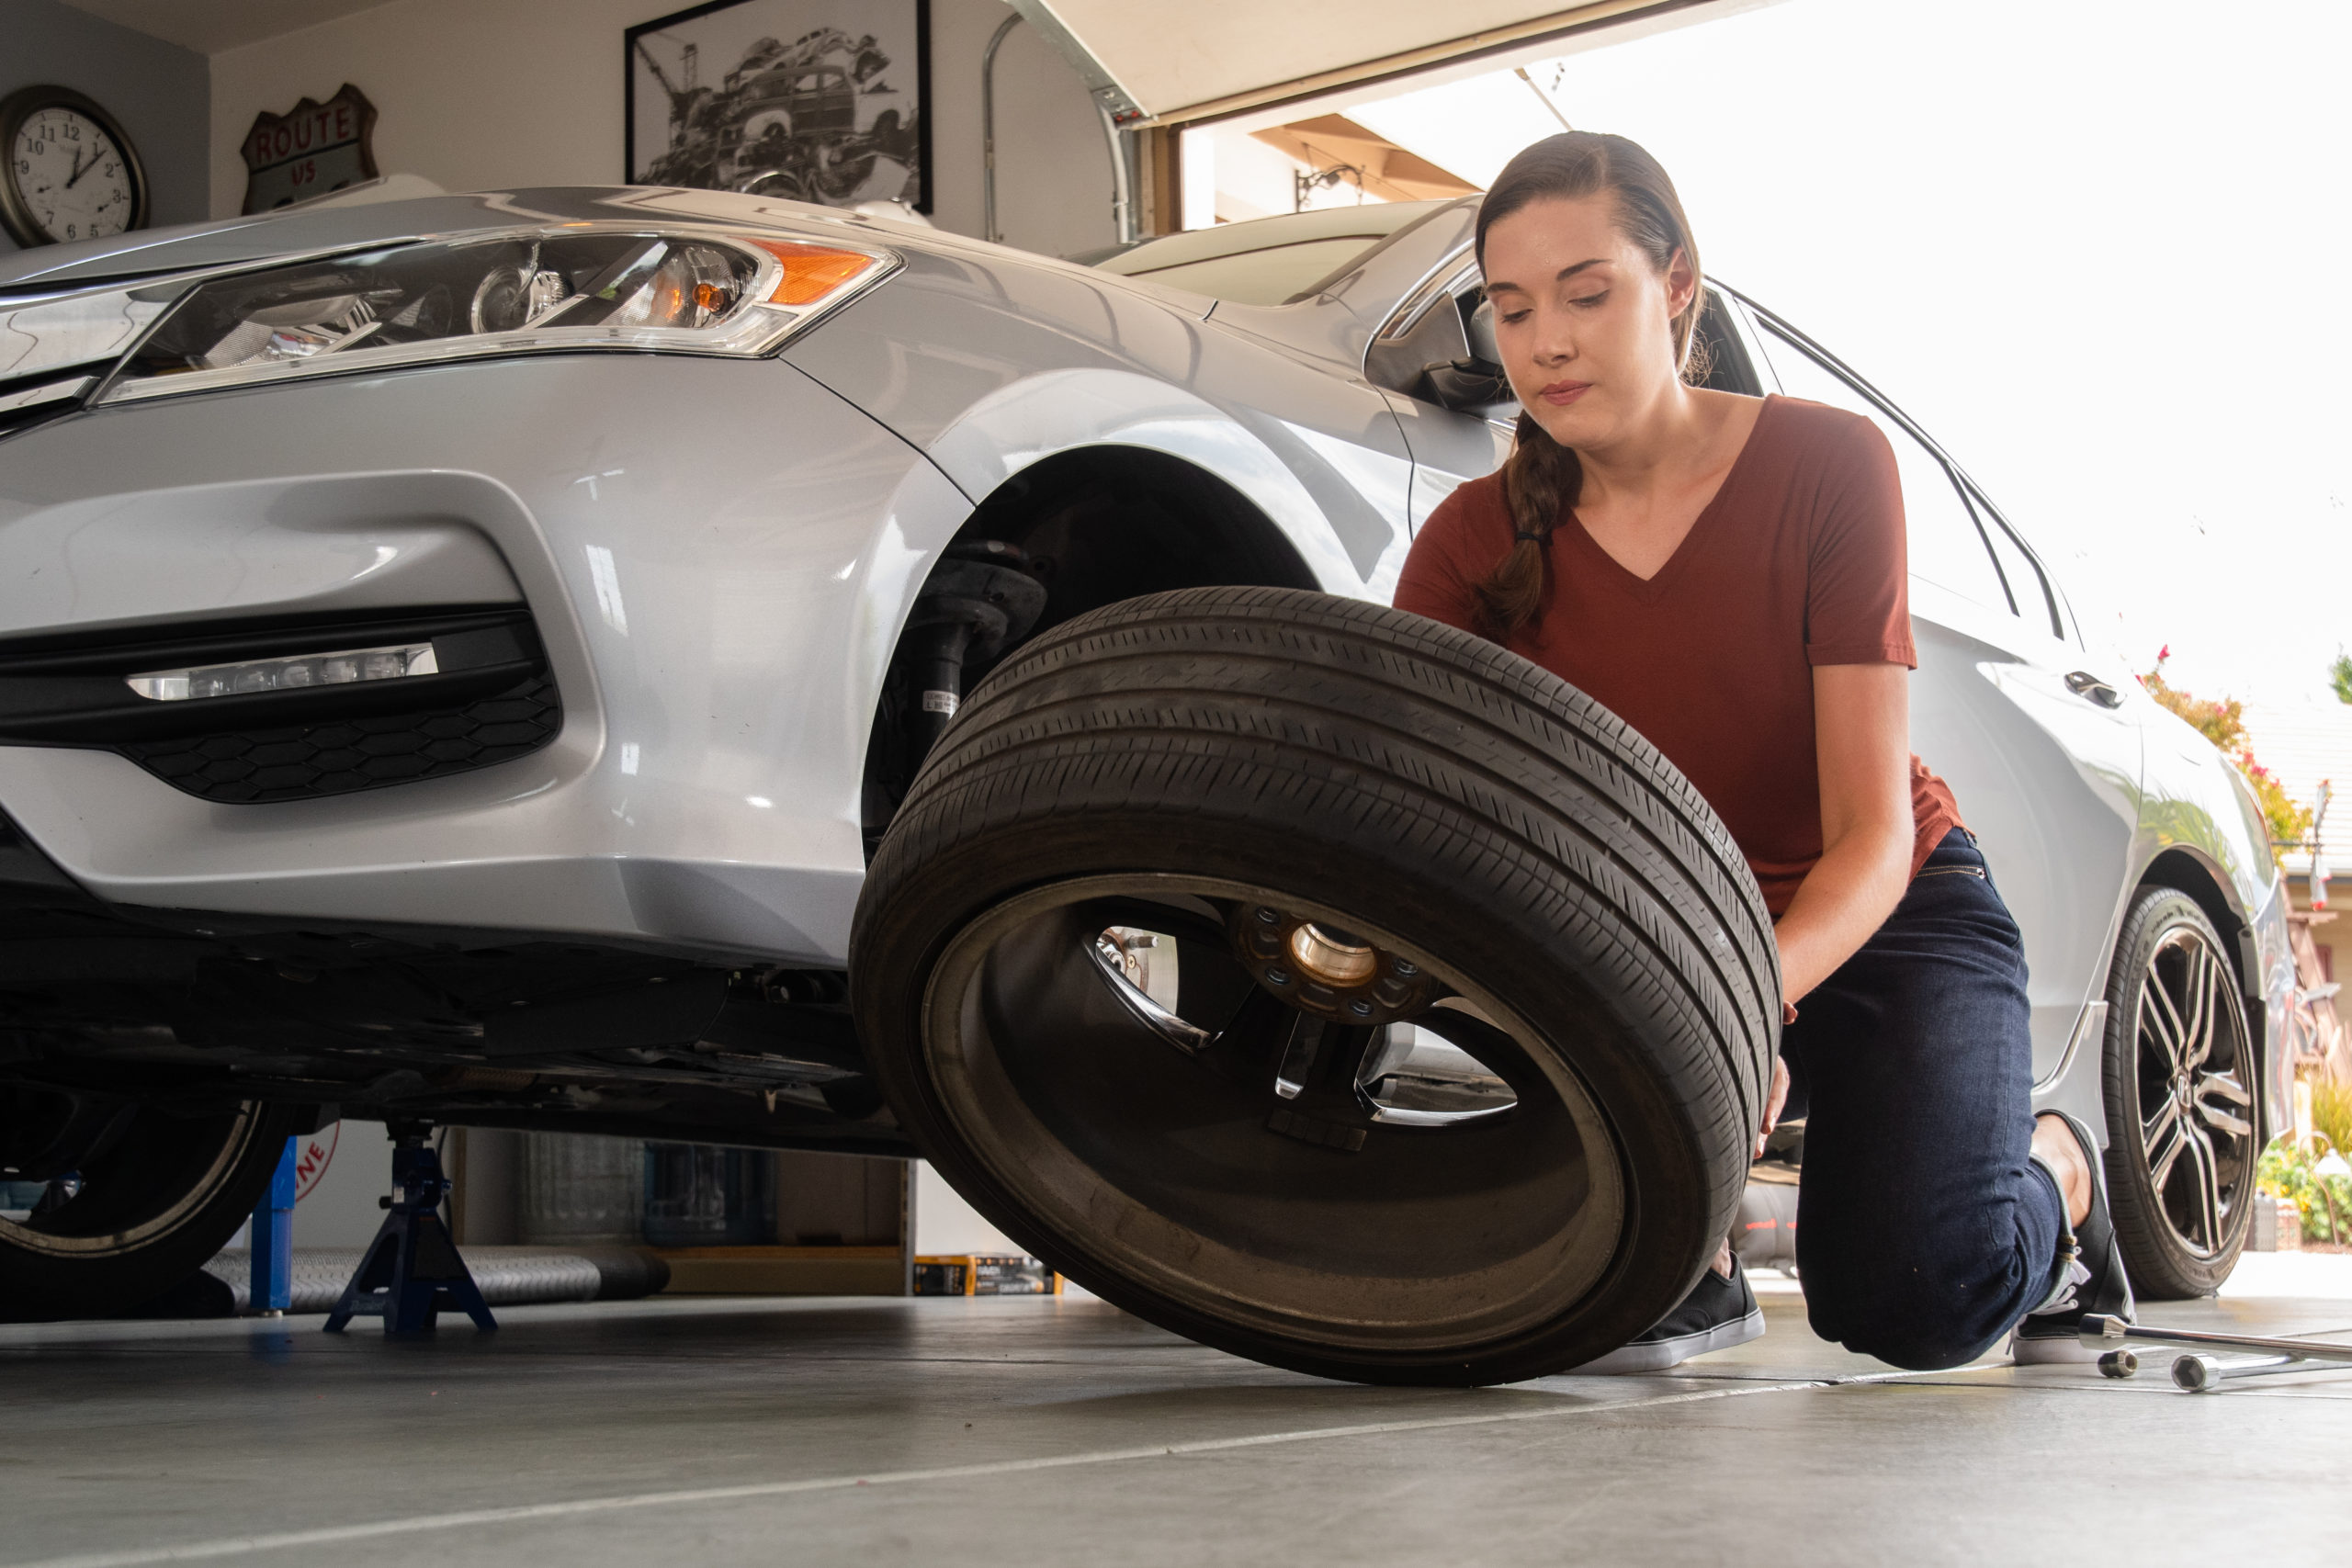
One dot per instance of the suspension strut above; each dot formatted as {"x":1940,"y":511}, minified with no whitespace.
{"x":979,"y":601}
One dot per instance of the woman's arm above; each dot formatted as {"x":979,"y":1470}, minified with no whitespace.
{"x":1862,"y":744}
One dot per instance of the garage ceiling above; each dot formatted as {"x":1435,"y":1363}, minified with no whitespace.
{"x":1207,"y":59}
{"x":209,"y":27}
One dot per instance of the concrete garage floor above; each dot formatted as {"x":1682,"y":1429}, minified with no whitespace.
{"x":943,"y":1430}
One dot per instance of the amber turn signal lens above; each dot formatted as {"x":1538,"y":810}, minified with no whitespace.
{"x":810,"y":272}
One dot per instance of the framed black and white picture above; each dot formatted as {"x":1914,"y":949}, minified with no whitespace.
{"x":815,"y":100}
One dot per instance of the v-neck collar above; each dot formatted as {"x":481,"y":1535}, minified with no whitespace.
{"x":1652,"y":586}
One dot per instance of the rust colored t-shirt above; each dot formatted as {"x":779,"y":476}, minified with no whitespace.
{"x":1797,"y":561}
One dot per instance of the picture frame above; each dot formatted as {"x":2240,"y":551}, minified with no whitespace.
{"x":813,"y":100}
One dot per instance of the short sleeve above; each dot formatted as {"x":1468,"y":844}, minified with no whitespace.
{"x":1434,"y":583}
{"x":1857,"y":599}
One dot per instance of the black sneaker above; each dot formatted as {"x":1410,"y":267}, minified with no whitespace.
{"x":1715,"y":1316}
{"x":2090,"y":1277}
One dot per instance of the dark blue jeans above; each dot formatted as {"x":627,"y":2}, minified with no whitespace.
{"x":1924,"y":1233}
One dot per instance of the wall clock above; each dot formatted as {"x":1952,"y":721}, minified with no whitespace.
{"x":71,"y":173}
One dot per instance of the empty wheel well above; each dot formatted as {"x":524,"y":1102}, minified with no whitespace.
{"x":1090,"y":527}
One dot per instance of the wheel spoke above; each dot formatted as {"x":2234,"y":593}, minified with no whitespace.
{"x":1258,"y":1027}
{"x":2206,"y":1176}
{"x":2160,"y":1019}
{"x":2161,"y":1136}
{"x":1296,"y":1069}
{"x":1341,"y":1059}
{"x":2203,"y":972}
{"x":2223,"y":1087}
{"x":1189,"y":1038}
{"x":1321,"y":1066}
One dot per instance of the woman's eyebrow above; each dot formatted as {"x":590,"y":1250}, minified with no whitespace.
{"x":1564,"y":274}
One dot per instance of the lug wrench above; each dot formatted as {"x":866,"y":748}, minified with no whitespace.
{"x":2198,"y":1373}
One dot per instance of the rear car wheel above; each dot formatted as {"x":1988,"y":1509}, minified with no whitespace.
{"x":1324,"y":984}
{"x":113,"y":1201}
{"x":2180,"y":1100}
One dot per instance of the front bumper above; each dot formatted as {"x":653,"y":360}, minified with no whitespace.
{"x":716,"y":556}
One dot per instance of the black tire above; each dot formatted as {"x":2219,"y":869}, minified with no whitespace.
{"x":1187,"y":762}
{"x":2182,"y":1138}
{"x":160,"y":1194}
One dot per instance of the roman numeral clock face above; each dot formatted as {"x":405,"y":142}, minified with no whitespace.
{"x":70,"y":174}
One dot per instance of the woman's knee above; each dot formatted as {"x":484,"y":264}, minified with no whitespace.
{"x":1916,"y":1342}
{"x":1919,"y":1312}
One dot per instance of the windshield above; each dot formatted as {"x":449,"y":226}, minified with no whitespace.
{"x":1267,"y":261}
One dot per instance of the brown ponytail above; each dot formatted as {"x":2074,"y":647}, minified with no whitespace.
{"x":1543,"y":479}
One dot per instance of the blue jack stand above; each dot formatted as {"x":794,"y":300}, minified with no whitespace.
{"x":412,"y":1271}
{"x":273,"y":1241}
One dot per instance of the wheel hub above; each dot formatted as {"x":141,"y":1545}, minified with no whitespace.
{"x":1326,"y":970}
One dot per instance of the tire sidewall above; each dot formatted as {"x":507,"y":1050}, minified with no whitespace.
{"x":41,"y":1284}
{"x":2160,"y":1267}
{"x":1668,"y":1226}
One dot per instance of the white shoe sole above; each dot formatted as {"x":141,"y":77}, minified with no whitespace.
{"x":2057,"y":1350}
{"x":1657,"y":1355}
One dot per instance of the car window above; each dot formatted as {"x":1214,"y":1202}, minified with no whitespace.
{"x":1267,"y":261}
{"x":2028,"y":583}
{"x":1944,"y":543}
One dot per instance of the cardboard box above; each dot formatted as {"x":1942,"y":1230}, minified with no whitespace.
{"x":985,"y":1274}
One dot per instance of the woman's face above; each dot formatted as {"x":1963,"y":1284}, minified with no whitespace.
{"x":1584,"y":320}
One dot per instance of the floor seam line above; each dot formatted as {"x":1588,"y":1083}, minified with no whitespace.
{"x":524,"y":1513}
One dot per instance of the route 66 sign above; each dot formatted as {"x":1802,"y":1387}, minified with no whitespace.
{"x":312,"y":150}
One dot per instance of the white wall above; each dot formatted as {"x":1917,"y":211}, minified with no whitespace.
{"x":945,"y":1224}
{"x":492,"y":94}
{"x":345,"y":1207}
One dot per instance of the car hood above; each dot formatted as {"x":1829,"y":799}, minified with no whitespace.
{"x":149,"y":252}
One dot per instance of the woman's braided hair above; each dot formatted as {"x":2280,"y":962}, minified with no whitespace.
{"x":1542,"y":477}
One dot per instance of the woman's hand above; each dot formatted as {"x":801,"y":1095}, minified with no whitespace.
{"x":1774,"y":1099}
{"x":1861,"y":729}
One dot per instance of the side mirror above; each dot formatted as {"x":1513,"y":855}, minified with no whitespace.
{"x":1475,"y":383}
{"x":1484,"y":354}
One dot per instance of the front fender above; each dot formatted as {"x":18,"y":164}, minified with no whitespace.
{"x":1299,"y":491}
{"x":989,"y":363}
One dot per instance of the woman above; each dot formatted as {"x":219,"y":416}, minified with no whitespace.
{"x":1728,"y":574}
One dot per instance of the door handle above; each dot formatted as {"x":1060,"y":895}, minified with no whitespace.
{"x":2083,"y":683}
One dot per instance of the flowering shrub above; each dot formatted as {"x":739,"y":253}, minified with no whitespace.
{"x":2311,"y":1178}
{"x":2223,"y":723}
{"x":2314,"y":1173}
{"x":2288,"y":820}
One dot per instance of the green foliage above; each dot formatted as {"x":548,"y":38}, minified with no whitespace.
{"x":2288,"y":1172}
{"x":2332,"y":1114}
{"x":2339,"y":677}
{"x":2222,"y":722}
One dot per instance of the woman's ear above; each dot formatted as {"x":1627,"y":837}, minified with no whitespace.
{"x":1681,"y":283}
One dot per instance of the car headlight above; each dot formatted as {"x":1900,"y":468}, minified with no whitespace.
{"x":574,"y":287}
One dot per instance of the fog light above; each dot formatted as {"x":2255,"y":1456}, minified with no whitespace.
{"x":337,"y":669}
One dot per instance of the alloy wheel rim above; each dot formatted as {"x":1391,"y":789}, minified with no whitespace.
{"x":1196,"y":1149}
{"x":126,"y":1223}
{"x":2195,"y":1107}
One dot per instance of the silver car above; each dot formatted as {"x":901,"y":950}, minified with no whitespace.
{"x":458,"y":657}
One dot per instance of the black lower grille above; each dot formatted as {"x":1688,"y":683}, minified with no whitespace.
{"x":304,"y":761}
